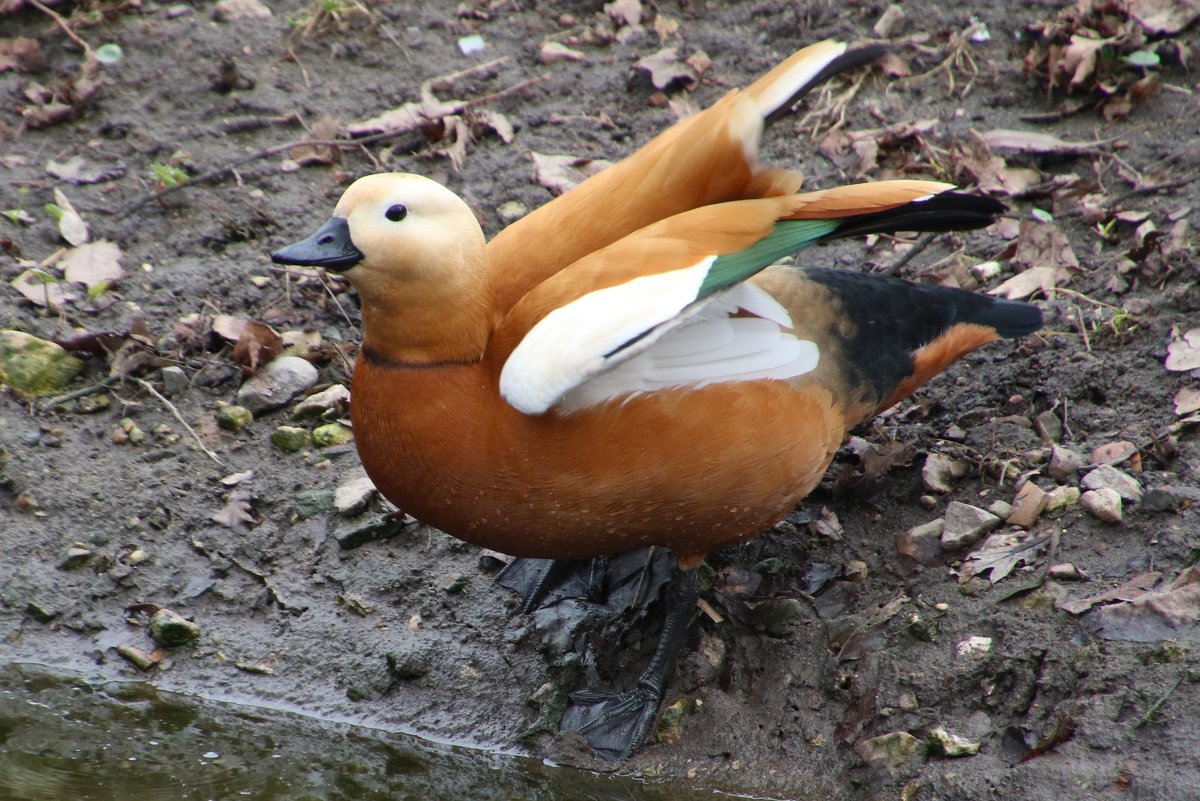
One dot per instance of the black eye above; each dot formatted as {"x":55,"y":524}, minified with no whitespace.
{"x":396,"y":213}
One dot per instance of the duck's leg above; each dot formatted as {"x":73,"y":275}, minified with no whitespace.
{"x":615,"y":724}
{"x":535,"y":579}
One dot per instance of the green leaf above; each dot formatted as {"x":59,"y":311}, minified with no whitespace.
{"x":1143,"y":58}
{"x":109,"y":53}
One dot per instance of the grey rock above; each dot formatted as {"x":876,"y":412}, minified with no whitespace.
{"x":1107,"y":476}
{"x":942,"y":472}
{"x":922,"y":543}
{"x":276,"y":384}
{"x":1064,"y":463}
{"x":174,"y":380}
{"x":353,"y":496}
{"x":170,"y":629}
{"x":965,"y":524}
{"x":1103,"y":504}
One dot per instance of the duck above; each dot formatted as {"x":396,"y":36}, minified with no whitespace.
{"x":631,"y":364}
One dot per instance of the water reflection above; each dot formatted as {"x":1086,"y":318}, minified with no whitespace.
{"x":64,"y":738}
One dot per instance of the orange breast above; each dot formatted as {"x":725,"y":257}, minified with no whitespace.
{"x":687,"y":469}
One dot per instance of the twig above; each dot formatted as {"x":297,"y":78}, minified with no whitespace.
{"x":66,"y":27}
{"x":146,"y":385}
{"x":921,"y":244}
{"x":1158,"y":702}
{"x":81,"y":393}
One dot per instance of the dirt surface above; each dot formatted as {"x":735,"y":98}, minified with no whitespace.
{"x":827,"y":636}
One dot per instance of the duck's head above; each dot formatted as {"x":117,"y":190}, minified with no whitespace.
{"x":413,"y":250}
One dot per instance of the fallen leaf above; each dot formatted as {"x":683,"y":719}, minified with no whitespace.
{"x":93,"y":264}
{"x":561,"y":173}
{"x":22,"y":54}
{"x":256,"y":345}
{"x":665,"y":69}
{"x":556,"y":53}
{"x":1131,"y":589}
{"x":1000,"y":555}
{"x":1031,"y":282}
{"x":228,"y":327}
{"x":77,"y":171}
{"x":43,"y":289}
{"x":494,"y":121}
{"x":1033,"y":142}
{"x":238,"y":511}
{"x":1155,"y":615}
{"x":625,"y":12}
{"x":1183,"y":352}
{"x":1163,"y":16}
{"x":70,"y":225}
{"x":1187,"y":400}
{"x":665,"y":26}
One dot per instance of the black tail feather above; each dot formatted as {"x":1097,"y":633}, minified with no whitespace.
{"x":947,"y":211}
{"x":843,"y":63}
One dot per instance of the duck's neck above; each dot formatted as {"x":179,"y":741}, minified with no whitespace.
{"x":422,"y":330}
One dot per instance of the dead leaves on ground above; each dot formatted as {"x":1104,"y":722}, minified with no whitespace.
{"x":1101,"y":49}
{"x":1141,"y":611}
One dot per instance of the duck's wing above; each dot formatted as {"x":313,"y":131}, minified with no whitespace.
{"x":668,"y":306}
{"x":708,"y":158}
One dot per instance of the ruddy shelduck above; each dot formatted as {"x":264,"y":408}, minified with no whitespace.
{"x":624,"y":366}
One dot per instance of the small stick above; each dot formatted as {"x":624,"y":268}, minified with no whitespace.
{"x":146,"y":385}
{"x":921,"y":244}
{"x":82,"y":393}
{"x":62,"y":23}
{"x":1158,"y":702}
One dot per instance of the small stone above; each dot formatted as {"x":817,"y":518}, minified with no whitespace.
{"x":407,"y":665}
{"x":928,"y":502}
{"x":42,"y":612}
{"x":76,"y":557}
{"x":1103,"y":504}
{"x":974,"y":647}
{"x":276,"y":384}
{"x":907,"y":702}
{"x":855,"y":570}
{"x":965,"y":525}
{"x":232,"y":10}
{"x":511,"y":210}
{"x":891,"y":751}
{"x":179,"y":10}
{"x":1108,"y":477}
{"x":670,"y":725}
{"x":136,"y":557}
{"x":942,"y":472}
{"x":1114,"y":453}
{"x":923,"y":543}
{"x":92,"y":404}
{"x":775,"y":618}
{"x":332,"y":434}
{"x":1059,"y":498}
{"x":136,"y":657}
{"x":1047,"y":596}
{"x":35,"y":367}
{"x":1029,"y":503}
{"x":290,"y":439}
{"x":1064,"y":463}
{"x":334,"y":400}
{"x":174,"y":381}
{"x":955,"y":433}
{"x":455,"y":584}
{"x":311,"y":503}
{"x":1001,"y":509}
{"x":1049,"y":426}
{"x":951,"y":745}
{"x":353,"y":496}
{"x":234,"y":418}
{"x":170,"y":629}
{"x":378,"y":529}
{"x":1066,"y":572}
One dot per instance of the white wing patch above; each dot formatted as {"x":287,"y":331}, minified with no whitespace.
{"x":694,"y":347}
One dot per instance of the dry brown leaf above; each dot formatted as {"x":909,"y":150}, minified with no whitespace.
{"x":256,"y":345}
{"x":665,"y":69}
{"x":1187,"y":400}
{"x":561,"y":173}
{"x":495,"y":121}
{"x":1033,"y":142}
{"x":1127,"y":591}
{"x":93,"y":264}
{"x":1000,"y":555}
{"x":1155,"y":615}
{"x":70,"y":225}
{"x":48,"y":293}
{"x":1163,"y":16}
{"x":22,"y":54}
{"x":238,"y":511}
{"x":1183,"y":352}
{"x":1031,"y":282}
{"x":228,"y":327}
{"x":556,"y":53}
{"x":77,"y":171}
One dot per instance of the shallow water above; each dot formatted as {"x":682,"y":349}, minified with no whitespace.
{"x":62,"y":737}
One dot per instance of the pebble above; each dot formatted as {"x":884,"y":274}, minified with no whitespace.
{"x":276,"y":384}
{"x":923,"y":543}
{"x":952,"y":745}
{"x":230,"y":10}
{"x":1114,"y":453}
{"x":1001,"y":509}
{"x":311,"y":503}
{"x":1029,"y":503}
{"x":974,"y":647}
{"x":76,"y":556}
{"x":1064,"y":463}
{"x":1108,"y":477}
{"x":234,"y":418}
{"x":891,"y":751}
{"x":408,"y":665}
{"x":171,"y":629}
{"x":35,"y":367}
{"x":1048,"y":426}
{"x":1059,"y":498}
{"x":174,"y":381}
{"x":942,"y":472}
{"x":334,"y":399}
{"x":511,"y":210}
{"x":965,"y":525}
{"x":290,"y":439}
{"x":331,"y":434}
{"x":1103,"y":504}
{"x":353,"y":496}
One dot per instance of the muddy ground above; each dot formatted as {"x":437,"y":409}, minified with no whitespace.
{"x":784,"y":695}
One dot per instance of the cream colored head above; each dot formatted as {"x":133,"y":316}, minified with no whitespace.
{"x":423,"y":273}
